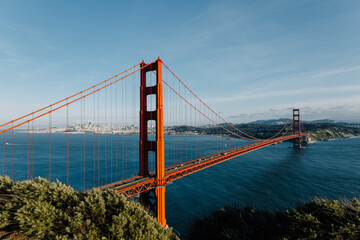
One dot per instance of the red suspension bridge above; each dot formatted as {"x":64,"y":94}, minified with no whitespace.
{"x":112,"y":135}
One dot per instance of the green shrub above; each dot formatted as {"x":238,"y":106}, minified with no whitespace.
{"x":319,"y":219}
{"x":52,"y":210}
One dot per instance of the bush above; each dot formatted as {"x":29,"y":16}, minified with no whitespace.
{"x":319,"y":219}
{"x":52,"y":210}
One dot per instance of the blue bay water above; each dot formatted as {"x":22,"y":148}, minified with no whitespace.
{"x":105,"y":158}
{"x":273,"y":178}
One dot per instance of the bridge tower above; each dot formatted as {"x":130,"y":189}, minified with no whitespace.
{"x":296,"y":128}
{"x":152,"y":200}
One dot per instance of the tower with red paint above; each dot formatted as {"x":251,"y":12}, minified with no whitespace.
{"x":296,"y":128}
{"x":153,"y":200}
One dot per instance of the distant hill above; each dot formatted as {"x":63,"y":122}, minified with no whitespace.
{"x":322,"y":121}
{"x":279,"y":121}
{"x":319,"y":130}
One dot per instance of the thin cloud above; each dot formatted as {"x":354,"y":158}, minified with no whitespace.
{"x":260,"y":94}
{"x":338,"y":113}
{"x":337,"y":71}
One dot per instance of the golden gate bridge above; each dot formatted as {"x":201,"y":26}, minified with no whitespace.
{"x":93,"y":123}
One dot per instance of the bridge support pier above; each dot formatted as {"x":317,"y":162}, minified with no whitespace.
{"x":296,"y":128}
{"x":154,"y":201}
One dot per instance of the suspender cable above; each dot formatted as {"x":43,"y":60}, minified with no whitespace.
{"x":106,"y":175}
{"x":122,"y":125}
{"x":133,"y":122}
{"x":126,"y":106}
{"x":3,"y":163}
{"x":12,"y":153}
{"x":50,"y":145}
{"x":196,"y":136}
{"x":98,"y":136}
{"x":118,"y":131}
{"x":94,"y":140}
{"x":174,"y":116}
{"x":111,"y":135}
{"x":181,"y":117}
{"x":84,"y":139}
{"x":32,"y":149}
{"x":28,"y":150}
{"x":81,"y":142}
{"x":67,"y":144}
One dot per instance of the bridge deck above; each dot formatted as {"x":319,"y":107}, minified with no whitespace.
{"x":133,"y":186}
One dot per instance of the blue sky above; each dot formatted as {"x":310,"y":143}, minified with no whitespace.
{"x":248,"y":59}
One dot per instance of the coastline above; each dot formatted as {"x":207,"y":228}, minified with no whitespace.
{"x":330,"y":136}
{"x":315,"y":133}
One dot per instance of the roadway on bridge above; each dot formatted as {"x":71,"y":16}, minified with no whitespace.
{"x":138,"y":184}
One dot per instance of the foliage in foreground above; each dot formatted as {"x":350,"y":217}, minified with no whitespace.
{"x":52,"y":210}
{"x":319,"y":219}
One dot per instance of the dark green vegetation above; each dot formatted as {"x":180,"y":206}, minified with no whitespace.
{"x":319,"y":219}
{"x":317,"y":131}
{"x":52,"y":210}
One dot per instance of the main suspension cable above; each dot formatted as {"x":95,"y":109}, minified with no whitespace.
{"x":77,"y":99}
{"x":251,"y":138}
{"x":51,"y":105}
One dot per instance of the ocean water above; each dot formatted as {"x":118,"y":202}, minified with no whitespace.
{"x":94,"y":159}
{"x":273,"y":178}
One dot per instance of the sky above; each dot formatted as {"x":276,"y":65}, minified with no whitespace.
{"x":248,"y":60}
